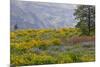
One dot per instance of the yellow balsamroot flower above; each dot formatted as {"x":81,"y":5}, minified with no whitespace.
{"x":35,"y":42}
{"x":56,"y":42}
{"x":45,"y":42}
{"x":87,"y":58}
{"x":12,"y":35}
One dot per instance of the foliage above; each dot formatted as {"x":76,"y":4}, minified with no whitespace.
{"x":85,"y":14}
{"x":49,"y":46}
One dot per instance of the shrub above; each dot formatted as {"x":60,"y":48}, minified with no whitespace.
{"x":32,"y":46}
{"x":64,"y":58}
{"x":56,"y":42}
{"x":12,"y":35}
{"x":87,"y":58}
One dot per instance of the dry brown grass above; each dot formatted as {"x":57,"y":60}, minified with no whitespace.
{"x":80,"y":39}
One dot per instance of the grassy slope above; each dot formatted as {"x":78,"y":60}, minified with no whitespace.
{"x":46,"y":46}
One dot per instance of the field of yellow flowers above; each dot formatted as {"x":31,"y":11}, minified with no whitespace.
{"x":50,"y":46}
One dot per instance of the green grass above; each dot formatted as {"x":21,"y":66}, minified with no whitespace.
{"x":48,"y":46}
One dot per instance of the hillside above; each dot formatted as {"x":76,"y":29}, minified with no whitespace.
{"x":41,"y":15}
{"x":48,"y":46}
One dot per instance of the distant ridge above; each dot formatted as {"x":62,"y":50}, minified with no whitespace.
{"x":41,"y":15}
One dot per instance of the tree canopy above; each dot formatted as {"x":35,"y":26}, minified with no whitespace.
{"x":85,"y":15}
